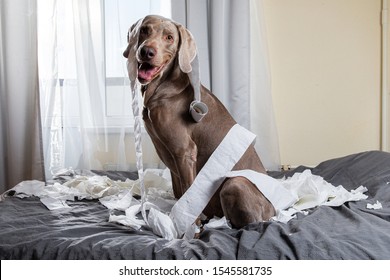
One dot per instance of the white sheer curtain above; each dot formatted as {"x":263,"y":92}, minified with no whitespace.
{"x":85,"y":94}
{"x":71,"y":83}
{"x":234,"y":63}
{"x":20,"y":144}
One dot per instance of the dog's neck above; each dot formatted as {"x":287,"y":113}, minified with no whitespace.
{"x":172,"y":82}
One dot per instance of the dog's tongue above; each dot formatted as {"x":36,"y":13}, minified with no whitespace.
{"x":146,"y":71}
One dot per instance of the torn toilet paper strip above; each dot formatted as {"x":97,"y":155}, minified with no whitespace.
{"x":271,"y":188}
{"x":210,"y":177}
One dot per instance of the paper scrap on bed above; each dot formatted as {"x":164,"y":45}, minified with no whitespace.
{"x":172,"y":219}
{"x":377,"y":205}
{"x":311,"y":191}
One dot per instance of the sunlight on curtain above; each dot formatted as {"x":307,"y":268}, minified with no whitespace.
{"x":85,"y":95}
{"x":262,"y":116}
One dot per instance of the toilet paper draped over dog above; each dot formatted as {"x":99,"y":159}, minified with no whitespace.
{"x":210,"y":177}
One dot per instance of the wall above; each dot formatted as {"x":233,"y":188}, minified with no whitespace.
{"x":326,"y":71}
{"x":388,"y":75}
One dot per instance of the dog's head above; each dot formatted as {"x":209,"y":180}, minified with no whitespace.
{"x":153,"y":44}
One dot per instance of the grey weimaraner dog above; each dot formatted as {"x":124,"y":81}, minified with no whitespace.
{"x":163,"y":50}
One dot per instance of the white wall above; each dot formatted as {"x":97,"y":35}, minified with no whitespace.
{"x":325,"y":66}
{"x":388,"y":75}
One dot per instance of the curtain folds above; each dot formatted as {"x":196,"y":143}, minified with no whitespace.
{"x":21,"y":145}
{"x":72,"y":76}
{"x":85,"y":93}
{"x":262,"y":116}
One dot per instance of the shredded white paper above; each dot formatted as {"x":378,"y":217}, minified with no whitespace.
{"x":374,"y":206}
{"x":311,"y":191}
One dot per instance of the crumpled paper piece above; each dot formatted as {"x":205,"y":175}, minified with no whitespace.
{"x":82,"y":187}
{"x":218,"y":223}
{"x":112,"y":194}
{"x":377,"y":205}
{"x":159,"y":202}
{"x":312,"y":191}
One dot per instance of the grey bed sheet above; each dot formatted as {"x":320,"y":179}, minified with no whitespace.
{"x":29,"y":231}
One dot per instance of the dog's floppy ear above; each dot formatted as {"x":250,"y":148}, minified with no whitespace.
{"x":187,"y":50}
{"x":132,"y":37}
{"x":127,"y":50}
{"x":131,"y":50}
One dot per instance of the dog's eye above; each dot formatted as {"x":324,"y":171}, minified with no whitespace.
{"x":169,"y":38}
{"x":144,"y":31}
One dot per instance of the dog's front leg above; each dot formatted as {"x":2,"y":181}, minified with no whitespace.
{"x":175,"y":146}
{"x":186,"y":165}
{"x":185,"y":160}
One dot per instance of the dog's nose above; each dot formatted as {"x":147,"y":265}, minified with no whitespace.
{"x":147,"y":52}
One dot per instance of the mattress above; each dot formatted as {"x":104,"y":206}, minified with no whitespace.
{"x":354,"y":230}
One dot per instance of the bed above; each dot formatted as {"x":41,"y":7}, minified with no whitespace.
{"x":28,"y":230}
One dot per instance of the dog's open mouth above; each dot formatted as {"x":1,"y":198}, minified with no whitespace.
{"x":147,"y":72}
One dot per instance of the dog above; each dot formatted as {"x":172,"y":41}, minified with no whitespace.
{"x":160,"y":53}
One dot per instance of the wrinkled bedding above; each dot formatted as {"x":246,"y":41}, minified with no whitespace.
{"x":28,"y":230}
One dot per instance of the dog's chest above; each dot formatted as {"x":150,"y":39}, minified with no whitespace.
{"x":161,"y":119}
{"x":152,"y":123}
{"x":146,"y":118}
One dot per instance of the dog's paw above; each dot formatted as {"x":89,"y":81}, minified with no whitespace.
{"x":199,"y":228}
